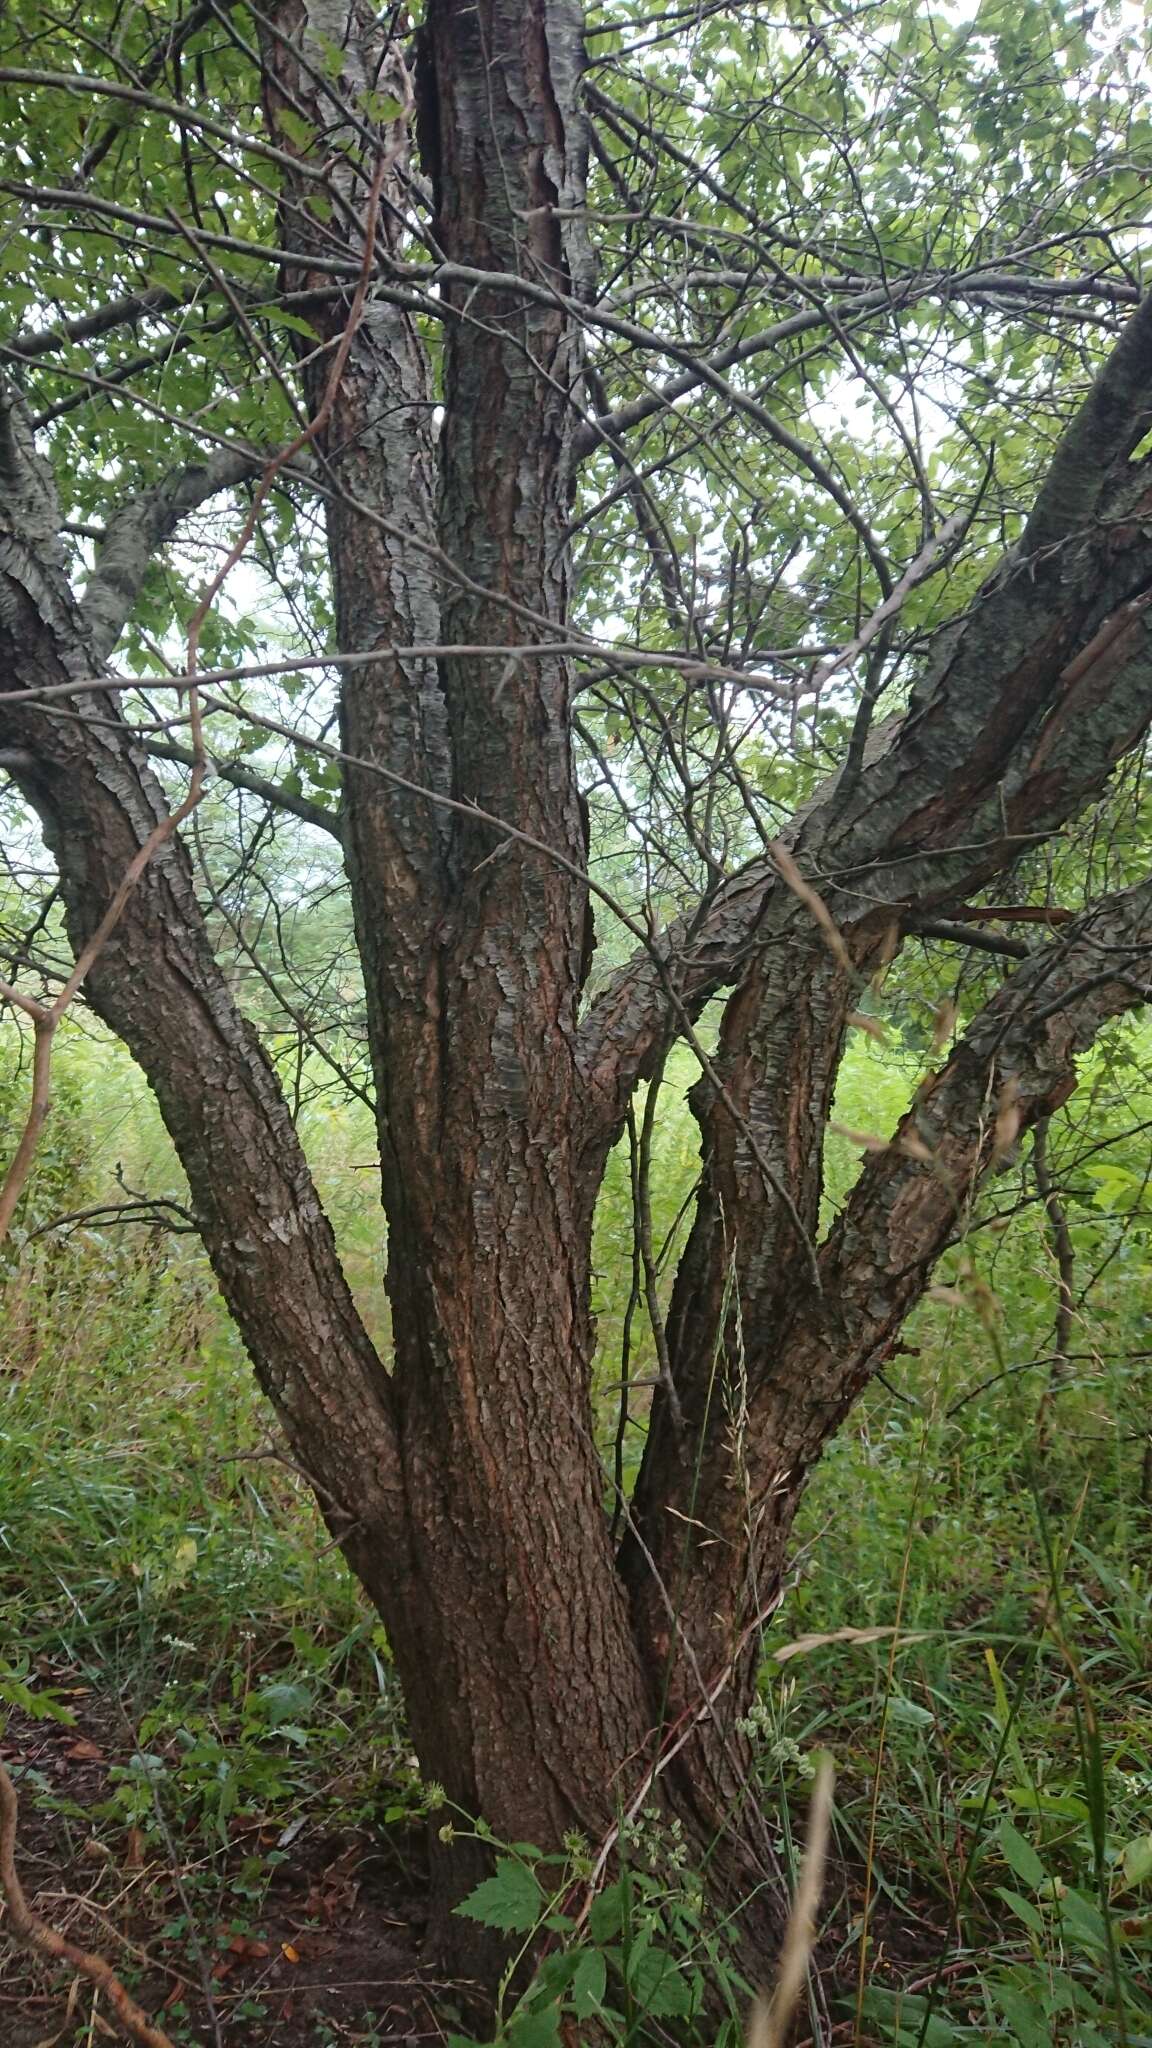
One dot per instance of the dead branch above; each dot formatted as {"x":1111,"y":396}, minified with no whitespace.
{"x":36,"y":1934}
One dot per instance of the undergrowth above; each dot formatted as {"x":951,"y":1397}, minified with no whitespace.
{"x":991,"y":1878}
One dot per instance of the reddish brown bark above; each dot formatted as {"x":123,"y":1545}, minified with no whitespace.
{"x":472,"y":953}
{"x":541,"y":1670}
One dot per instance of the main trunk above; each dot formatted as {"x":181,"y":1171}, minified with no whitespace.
{"x":550,"y":1683}
{"x":508,"y":1622}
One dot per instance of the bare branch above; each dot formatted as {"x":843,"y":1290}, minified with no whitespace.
{"x":124,"y":312}
{"x":134,"y":533}
{"x":242,"y":777}
{"x":969,"y":935}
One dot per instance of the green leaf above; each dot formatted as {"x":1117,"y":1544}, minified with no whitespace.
{"x":607,"y":1915}
{"x":1136,"y":1860}
{"x":910,"y":2020}
{"x":282,"y":1702}
{"x":331,"y":53}
{"x":656,"y":1983}
{"x":588,"y":1984}
{"x":1027,"y":2026}
{"x":1023,"y":1909}
{"x":295,"y":127}
{"x":1083,"y":1920}
{"x":380,"y":106}
{"x":535,"y":2029}
{"x":553,"y":1977}
{"x":39,"y":1706}
{"x":910,"y":1712}
{"x":1061,"y":1805}
{"x":511,"y":1900}
{"x":1021,"y":1857}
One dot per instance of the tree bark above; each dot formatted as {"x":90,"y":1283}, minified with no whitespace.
{"x":511,"y":1629}
{"x":1028,"y":702}
{"x":158,"y":986}
{"x":547,"y":1678}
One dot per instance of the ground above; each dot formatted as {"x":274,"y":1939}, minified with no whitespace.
{"x":331,"y":1958}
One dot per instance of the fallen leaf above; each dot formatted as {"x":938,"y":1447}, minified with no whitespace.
{"x":250,"y":1950}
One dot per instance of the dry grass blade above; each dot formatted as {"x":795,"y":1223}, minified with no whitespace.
{"x":869,"y":1141}
{"x":807,"y":895}
{"x":1008,"y":1119}
{"x":768,"y":2026}
{"x":943,"y":1024}
{"x":802,"y":1644}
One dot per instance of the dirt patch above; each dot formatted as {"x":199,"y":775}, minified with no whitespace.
{"x":326,"y":1954}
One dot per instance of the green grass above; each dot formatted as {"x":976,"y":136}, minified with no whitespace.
{"x":993,"y":1825}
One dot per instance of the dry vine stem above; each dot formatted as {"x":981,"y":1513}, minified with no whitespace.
{"x":45,"y":1018}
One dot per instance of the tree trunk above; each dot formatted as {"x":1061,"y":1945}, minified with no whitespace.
{"x":551,"y":1684}
{"x":510,"y":1628}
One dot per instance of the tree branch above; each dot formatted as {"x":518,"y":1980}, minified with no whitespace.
{"x":1026,"y":704}
{"x":134,"y":533}
{"x":158,"y":986}
{"x":124,"y":312}
{"x":1014,"y":1066}
{"x":968,"y":935}
{"x":1112,"y":421}
{"x":37,"y":1934}
{"x":241,"y":777}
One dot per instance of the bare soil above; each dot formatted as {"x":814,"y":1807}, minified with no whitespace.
{"x":330,"y":1956}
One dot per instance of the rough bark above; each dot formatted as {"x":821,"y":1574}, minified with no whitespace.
{"x":1026,"y":705}
{"x":835,"y":1327}
{"x":511,"y":1629}
{"x":160,"y":989}
{"x":465,"y":1483}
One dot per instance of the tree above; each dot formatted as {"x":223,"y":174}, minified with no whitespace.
{"x":836,"y":664}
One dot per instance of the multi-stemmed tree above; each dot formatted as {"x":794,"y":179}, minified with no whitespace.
{"x":819,"y":387}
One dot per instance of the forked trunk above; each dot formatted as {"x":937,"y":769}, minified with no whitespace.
{"x":552,"y":1685}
